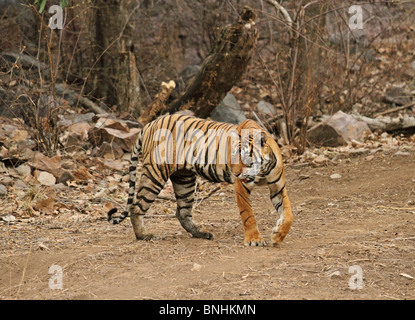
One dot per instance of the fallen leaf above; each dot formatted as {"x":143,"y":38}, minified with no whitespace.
{"x":46,"y":206}
{"x":82,"y":174}
{"x":44,"y":163}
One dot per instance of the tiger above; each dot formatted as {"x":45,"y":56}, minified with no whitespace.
{"x":181,"y":147}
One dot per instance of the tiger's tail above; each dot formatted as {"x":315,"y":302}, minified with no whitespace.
{"x":136,"y":153}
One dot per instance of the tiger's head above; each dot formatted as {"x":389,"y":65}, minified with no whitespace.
{"x":252,"y":153}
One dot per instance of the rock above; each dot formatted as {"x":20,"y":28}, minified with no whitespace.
{"x":335,"y":274}
{"x":320,"y":159}
{"x":266,"y":108}
{"x":7,"y":181}
{"x":65,"y":177}
{"x":44,"y":163}
{"x":3,"y":190}
{"x":80,"y":129}
{"x":108,"y":150}
{"x":370,"y":158}
{"x":335,"y":176}
{"x":20,"y":185}
{"x":397,"y":95}
{"x":337,"y":130}
{"x":46,"y":178}
{"x":75,"y":118}
{"x":229,"y":111}
{"x":402,"y":153}
{"x":9,"y":218}
{"x":24,"y":170}
{"x":124,"y":138}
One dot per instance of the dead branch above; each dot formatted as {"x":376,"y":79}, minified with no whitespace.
{"x":284,"y":12}
{"x":388,"y":124}
{"x":157,"y":106}
{"x":395,"y":109}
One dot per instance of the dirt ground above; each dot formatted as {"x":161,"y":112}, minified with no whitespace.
{"x":365,"y":219}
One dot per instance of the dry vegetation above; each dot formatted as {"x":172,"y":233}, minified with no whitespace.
{"x":69,"y":104}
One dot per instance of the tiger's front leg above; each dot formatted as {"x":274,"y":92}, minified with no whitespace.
{"x":252,"y":235}
{"x":282,"y":205}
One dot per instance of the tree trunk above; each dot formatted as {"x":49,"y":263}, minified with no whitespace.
{"x":221,"y":69}
{"x":115,"y":78}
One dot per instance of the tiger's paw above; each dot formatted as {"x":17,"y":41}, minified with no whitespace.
{"x":278,"y":233}
{"x":255,"y":241}
{"x":147,"y":237}
{"x":277,"y":237}
{"x":203,"y":235}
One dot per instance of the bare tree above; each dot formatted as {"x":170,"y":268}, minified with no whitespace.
{"x":114,"y":74}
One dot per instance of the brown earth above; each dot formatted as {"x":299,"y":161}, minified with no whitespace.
{"x":365,"y":218}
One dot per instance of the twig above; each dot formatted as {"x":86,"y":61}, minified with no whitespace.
{"x":284,"y":12}
{"x":394,"y":109}
{"x":23,"y":273}
{"x":208,"y":196}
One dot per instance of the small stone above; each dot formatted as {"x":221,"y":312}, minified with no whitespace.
{"x":370,"y":158}
{"x":3,"y":190}
{"x":335,"y":176}
{"x":320,"y":159}
{"x":335,"y":274}
{"x":24,"y":170}
{"x":402,"y":153}
{"x":9,"y":218}
{"x":20,"y":185}
{"x":196,"y":267}
{"x":46,"y":179}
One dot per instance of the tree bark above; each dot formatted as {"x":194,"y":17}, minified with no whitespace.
{"x":115,"y":77}
{"x":221,"y":69}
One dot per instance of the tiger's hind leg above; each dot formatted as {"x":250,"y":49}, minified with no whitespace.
{"x":184,"y":183}
{"x":149,"y":188}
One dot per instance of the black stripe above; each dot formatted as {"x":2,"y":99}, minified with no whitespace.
{"x":140,"y":197}
{"x":278,"y":206}
{"x":186,"y":207}
{"x":278,"y":179}
{"x":213,"y":173}
{"x":154,"y":180}
{"x":278,"y":193}
{"x":247,"y":190}
{"x":247,"y":219}
{"x":186,"y":195}
{"x":156,"y":192}
{"x":244,"y":210}
{"x":141,"y":208}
